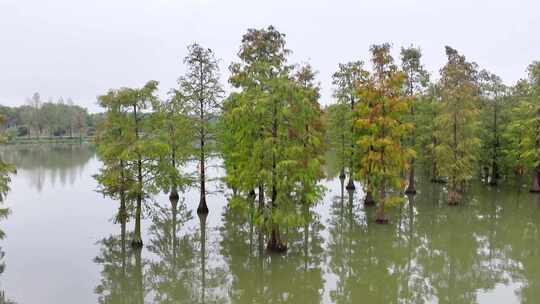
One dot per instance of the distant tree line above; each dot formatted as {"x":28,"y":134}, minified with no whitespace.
{"x":38,"y":118}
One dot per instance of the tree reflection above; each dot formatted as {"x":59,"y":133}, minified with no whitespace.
{"x":259,"y":277}
{"x":122,"y":270}
{"x":172,"y":275}
{"x":42,"y":162}
{"x":179,"y":270}
{"x":432,"y":252}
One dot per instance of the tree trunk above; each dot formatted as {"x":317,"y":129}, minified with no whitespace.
{"x":536,"y":181}
{"x":261,"y":199}
{"x":137,"y":239}
{"x":368,"y":200}
{"x":203,"y":208}
{"x":411,"y":188}
{"x":274,"y":243}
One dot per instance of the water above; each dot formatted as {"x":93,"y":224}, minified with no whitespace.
{"x":61,"y":245}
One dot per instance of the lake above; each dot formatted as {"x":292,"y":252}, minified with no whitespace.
{"x":61,"y":245}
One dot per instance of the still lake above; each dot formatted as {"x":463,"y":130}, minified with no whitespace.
{"x":61,"y":245}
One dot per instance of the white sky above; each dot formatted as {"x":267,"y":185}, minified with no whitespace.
{"x":81,"y":48}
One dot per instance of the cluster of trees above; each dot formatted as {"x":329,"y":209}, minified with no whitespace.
{"x":145,"y":142}
{"x":38,"y":118}
{"x":467,"y":123}
{"x":271,"y":132}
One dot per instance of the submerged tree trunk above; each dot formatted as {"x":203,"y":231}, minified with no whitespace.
{"x":536,"y":181}
{"x":203,"y":208}
{"x":350,"y":184}
{"x":174,"y":210}
{"x":137,"y":239}
{"x":368,"y":200}
{"x":411,"y":189}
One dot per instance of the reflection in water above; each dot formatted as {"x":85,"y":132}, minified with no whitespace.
{"x":258,"y":277}
{"x":121,"y":274}
{"x":172,"y":274}
{"x":429,"y":253}
{"x":57,"y":162}
{"x":483,"y":251}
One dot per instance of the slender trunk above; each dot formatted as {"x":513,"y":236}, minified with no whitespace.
{"x":203,"y":208}
{"x":261,"y":199}
{"x":350,"y":184}
{"x":381,"y":217}
{"x":137,"y":240}
{"x":494,"y":166}
{"x":274,"y":243}
{"x":453,"y":193}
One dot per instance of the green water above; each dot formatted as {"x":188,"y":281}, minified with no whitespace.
{"x":60,"y":245}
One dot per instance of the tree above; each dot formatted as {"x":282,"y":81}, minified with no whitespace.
{"x":136,"y":149}
{"x":278,"y":133}
{"x":346,"y":79}
{"x":382,"y":127}
{"x":457,"y":123}
{"x":172,"y":127}
{"x":524,"y":131}
{"x":202,"y":91}
{"x":417,"y":79}
{"x":493,"y":120}
{"x":338,"y":134}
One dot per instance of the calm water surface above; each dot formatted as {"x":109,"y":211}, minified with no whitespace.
{"x":60,"y":245}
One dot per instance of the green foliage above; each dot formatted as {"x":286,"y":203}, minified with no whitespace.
{"x":494,"y":119}
{"x":38,"y":118}
{"x":201,"y":93}
{"x":457,"y":121}
{"x":523,"y":132}
{"x":272,"y":129}
{"x":382,"y":127}
{"x":6,"y":170}
{"x":346,"y":80}
{"x":338,"y":133}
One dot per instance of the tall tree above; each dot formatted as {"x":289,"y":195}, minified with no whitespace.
{"x":382,"y":126}
{"x":278,"y":132}
{"x":172,"y":126}
{"x":346,"y":80}
{"x":493,"y":118}
{"x":417,"y":79}
{"x":458,"y":125}
{"x":138,"y":148}
{"x":201,"y":88}
{"x":524,"y":131}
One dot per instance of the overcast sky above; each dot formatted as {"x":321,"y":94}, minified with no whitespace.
{"x":81,"y":48}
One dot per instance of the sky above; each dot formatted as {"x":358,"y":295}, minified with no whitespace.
{"x":82,"y":48}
